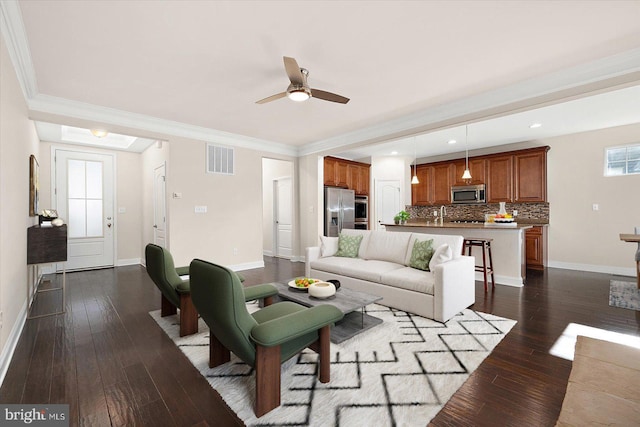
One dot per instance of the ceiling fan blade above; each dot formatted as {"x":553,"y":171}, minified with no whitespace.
{"x":272,"y":98}
{"x":293,"y":71}
{"x":328,"y":96}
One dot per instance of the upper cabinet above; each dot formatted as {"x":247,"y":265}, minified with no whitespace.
{"x":346,"y":174}
{"x":531,"y":176}
{"x":500,"y":179}
{"x":516,"y":176}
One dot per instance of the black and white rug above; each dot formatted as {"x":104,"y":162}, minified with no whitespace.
{"x":399,"y":373}
{"x":624,"y":295}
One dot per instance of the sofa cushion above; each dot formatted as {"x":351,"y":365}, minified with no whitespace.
{"x":348,"y":246}
{"x":455,"y":242}
{"x":441,"y":255}
{"x":328,"y":246}
{"x":388,"y":246}
{"x":371,"y":270}
{"x":365,"y":239}
{"x":421,"y":254}
{"x":335,"y":265}
{"x":410,"y":279}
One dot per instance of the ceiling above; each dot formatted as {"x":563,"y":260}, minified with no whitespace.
{"x":197,"y":68}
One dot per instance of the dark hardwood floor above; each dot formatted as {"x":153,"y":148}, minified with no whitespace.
{"x":113,"y":365}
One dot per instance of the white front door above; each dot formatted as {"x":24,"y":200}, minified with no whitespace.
{"x":387,"y":202}
{"x":283,"y":217}
{"x":159,"y":207}
{"x":84,"y":200}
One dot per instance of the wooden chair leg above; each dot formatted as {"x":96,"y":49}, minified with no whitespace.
{"x":218,"y":353}
{"x":484,"y":265}
{"x":324,"y":354}
{"x":268,"y":301}
{"x":493,"y":279}
{"x":166,"y":308}
{"x":188,"y":316}
{"x":267,"y":379}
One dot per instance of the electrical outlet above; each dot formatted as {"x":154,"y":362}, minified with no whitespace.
{"x":595,"y":207}
{"x":515,"y":212}
{"x":235,"y":251}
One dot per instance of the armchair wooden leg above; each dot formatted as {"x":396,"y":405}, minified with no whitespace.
{"x":268,"y":301}
{"x":325,"y":354}
{"x":218,"y":353}
{"x":166,"y":308}
{"x":267,"y":379}
{"x":188,"y":316}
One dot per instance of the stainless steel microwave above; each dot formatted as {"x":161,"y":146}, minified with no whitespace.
{"x":468,"y":194}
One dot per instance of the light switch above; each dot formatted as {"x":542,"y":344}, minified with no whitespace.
{"x":200,"y":209}
{"x":596,"y":207}
{"x":122,"y":210}
{"x":177,"y":195}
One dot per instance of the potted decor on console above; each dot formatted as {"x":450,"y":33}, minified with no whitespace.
{"x":401,"y":217}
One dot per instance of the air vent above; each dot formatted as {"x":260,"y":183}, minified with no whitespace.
{"x":220,"y":160}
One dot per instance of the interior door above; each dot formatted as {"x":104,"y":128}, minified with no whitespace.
{"x":387,"y":202}
{"x":283,"y":217}
{"x":159,"y":206}
{"x":84,"y":199}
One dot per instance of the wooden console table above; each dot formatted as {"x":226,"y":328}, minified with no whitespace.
{"x":47,"y":245}
{"x":634,"y":238}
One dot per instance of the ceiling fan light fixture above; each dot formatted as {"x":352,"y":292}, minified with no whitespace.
{"x":298,"y":95}
{"x":99,"y":133}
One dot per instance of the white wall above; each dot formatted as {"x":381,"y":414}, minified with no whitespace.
{"x":579,"y":237}
{"x":310,"y":177}
{"x":18,"y":140}
{"x":271,"y":169}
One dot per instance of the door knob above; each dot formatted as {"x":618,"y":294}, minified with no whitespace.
{"x":155,"y":226}
{"x":109,"y":224}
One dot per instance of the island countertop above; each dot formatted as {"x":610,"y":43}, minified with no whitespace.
{"x":462,"y":225}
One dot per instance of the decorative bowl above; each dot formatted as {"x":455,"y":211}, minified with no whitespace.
{"x":322,"y":290}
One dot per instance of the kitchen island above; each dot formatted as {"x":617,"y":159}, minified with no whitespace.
{"x":508,"y":250}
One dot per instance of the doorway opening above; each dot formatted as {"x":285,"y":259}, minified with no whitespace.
{"x":277,"y":208}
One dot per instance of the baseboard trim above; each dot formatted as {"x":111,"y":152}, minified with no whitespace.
{"x":130,"y":261}
{"x":267,"y":253}
{"x":246,"y":266}
{"x":607,"y":269}
{"x":501,"y":280}
{"x":12,"y":342}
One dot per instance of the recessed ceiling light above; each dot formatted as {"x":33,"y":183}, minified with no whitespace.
{"x":535,"y":125}
{"x":451,"y":141}
{"x":394,"y":153}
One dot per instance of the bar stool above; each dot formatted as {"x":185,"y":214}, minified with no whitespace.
{"x":485,"y":244}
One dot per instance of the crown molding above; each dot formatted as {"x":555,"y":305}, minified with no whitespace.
{"x":18,"y":46}
{"x":585,"y":78}
{"x":79,"y":110}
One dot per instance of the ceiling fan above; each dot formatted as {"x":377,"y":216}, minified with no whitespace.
{"x":299,"y":89}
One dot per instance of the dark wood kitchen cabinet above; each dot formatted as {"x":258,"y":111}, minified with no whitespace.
{"x":500,"y":179}
{"x":358,"y":178}
{"x":421,"y":194}
{"x":442,"y":182}
{"x":346,"y":174}
{"x":531,"y":176}
{"x":476,"y":168}
{"x":535,"y":247}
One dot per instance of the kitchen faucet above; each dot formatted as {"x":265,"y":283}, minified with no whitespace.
{"x":443,"y":212}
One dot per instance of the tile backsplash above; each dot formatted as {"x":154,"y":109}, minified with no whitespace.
{"x":527,"y":212}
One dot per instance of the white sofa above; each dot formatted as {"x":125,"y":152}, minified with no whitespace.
{"x":382,"y":268}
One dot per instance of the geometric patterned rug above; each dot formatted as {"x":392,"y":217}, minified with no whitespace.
{"x":624,"y":295}
{"x":399,"y":373}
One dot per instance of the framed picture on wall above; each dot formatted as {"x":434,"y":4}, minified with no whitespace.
{"x":34,"y":185}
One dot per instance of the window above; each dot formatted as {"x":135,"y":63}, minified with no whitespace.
{"x":622,"y":160}
{"x":220,"y":160}
{"x":84,"y":191}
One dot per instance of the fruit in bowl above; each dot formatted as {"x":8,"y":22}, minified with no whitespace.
{"x":305,"y":282}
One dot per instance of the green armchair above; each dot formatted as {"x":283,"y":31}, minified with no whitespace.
{"x":176,"y":292}
{"x":263,"y":339}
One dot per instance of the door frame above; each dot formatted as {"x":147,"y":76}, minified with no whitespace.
{"x":54,"y":195}
{"x":166,"y":214}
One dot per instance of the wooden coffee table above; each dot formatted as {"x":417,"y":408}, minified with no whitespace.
{"x":350,"y":302}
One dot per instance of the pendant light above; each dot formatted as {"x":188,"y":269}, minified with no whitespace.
{"x":466,"y":174}
{"x":414,"y":180}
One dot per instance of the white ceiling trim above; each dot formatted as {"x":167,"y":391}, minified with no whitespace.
{"x":79,"y":110}
{"x":16,"y":39}
{"x":528,"y":93}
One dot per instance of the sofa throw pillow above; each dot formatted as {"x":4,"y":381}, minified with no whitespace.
{"x":441,"y":255}
{"x":348,"y":246}
{"x":421,"y":254}
{"x":328,"y":246}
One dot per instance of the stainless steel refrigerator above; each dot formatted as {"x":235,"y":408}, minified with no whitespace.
{"x":339,"y":210}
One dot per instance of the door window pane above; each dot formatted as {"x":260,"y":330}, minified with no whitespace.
{"x":77,"y":218}
{"x":94,"y":180}
{"x":76,"y":177}
{"x":94,"y":218}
